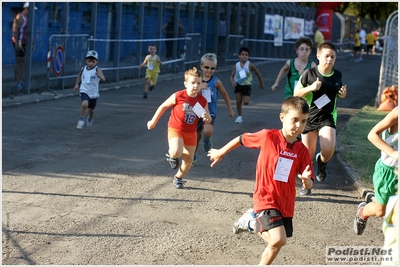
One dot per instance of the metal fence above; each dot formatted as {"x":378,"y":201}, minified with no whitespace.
{"x":389,"y":65}
{"x":67,"y":54}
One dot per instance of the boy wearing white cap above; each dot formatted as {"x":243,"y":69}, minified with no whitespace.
{"x":88,"y":84}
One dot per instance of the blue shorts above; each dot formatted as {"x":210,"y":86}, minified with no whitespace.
{"x":92,"y":102}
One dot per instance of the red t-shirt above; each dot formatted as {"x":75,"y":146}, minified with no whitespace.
{"x":182,"y":116}
{"x":270,"y":193}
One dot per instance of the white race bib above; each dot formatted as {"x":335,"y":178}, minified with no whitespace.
{"x":282,"y":170}
{"x":322,"y":101}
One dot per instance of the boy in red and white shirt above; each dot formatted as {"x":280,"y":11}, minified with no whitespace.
{"x":282,"y":158}
{"x":188,"y":106}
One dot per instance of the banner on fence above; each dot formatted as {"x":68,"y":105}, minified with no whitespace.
{"x":294,"y":28}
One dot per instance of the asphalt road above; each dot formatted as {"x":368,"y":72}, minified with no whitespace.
{"x":104,"y":195}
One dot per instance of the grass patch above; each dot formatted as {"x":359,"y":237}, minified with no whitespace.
{"x":355,"y":149}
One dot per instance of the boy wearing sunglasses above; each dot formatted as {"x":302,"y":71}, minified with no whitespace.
{"x":211,"y":86}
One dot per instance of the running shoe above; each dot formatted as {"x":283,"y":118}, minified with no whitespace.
{"x":174,"y":162}
{"x":145,"y":95}
{"x":151,"y":87}
{"x":242,"y":224}
{"x":80,"y":124}
{"x":179,"y":183}
{"x":321,"y":171}
{"x":89,"y":122}
{"x":305,"y":192}
{"x":359,"y":223}
{"x":239,"y":119}
{"x":207,"y":143}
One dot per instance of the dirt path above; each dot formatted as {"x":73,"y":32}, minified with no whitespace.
{"x":105,"y":195}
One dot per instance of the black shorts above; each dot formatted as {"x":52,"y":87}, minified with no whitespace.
{"x":357,"y":48}
{"x":243,"y":89}
{"x":269,"y":219}
{"x":369,"y":47}
{"x":316,"y":126}
{"x":21,"y":52}
{"x":92,"y":101}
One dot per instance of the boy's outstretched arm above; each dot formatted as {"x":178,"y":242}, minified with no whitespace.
{"x":160,"y":111}
{"x":216,"y":155}
{"x":306,"y":179}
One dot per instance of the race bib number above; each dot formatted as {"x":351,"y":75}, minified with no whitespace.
{"x":322,"y":101}
{"x":282,"y":170}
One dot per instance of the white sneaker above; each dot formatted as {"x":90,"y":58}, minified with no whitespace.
{"x":88,"y":122}
{"x":239,"y":119}
{"x":80,"y":124}
{"x":242,"y":224}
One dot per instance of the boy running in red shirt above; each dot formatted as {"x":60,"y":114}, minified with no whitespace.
{"x":282,"y":158}
{"x":188,"y":106}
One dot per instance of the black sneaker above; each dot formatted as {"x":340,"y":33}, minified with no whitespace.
{"x":305,"y":192}
{"x":145,"y":95}
{"x":151,"y":87}
{"x":321,"y":171}
{"x":179,"y":183}
{"x":359,"y":223}
{"x":174,"y":162}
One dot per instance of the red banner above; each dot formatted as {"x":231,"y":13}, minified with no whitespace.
{"x":323,"y":18}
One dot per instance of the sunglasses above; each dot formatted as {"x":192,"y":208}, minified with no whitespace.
{"x":208,"y":67}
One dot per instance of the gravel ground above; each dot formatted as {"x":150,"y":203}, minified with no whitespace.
{"x":104,"y":196}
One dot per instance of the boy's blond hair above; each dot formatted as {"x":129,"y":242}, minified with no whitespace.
{"x":192,"y":72}
{"x":209,"y":57}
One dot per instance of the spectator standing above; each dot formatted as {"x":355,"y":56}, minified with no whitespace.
{"x":222,"y":31}
{"x":370,"y":40}
{"x":318,"y":38}
{"x":19,"y":38}
{"x":362,"y":33}
{"x":357,"y":47}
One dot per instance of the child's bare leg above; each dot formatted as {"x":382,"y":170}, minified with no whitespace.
{"x":187,"y":159}
{"x":175,"y":147}
{"x":208,"y":130}
{"x":310,"y":141}
{"x":327,"y":141}
{"x":84,"y":106}
{"x":91,"y":113}
{"x":246,"y":100}
{"x":395,"y":219}
{"x":276,"y":239}
{"x":239,"y":103}
{"x":146,"y":84}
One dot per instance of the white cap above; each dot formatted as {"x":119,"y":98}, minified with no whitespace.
{"x":92,"y":53}
{"x":26,"y":5}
